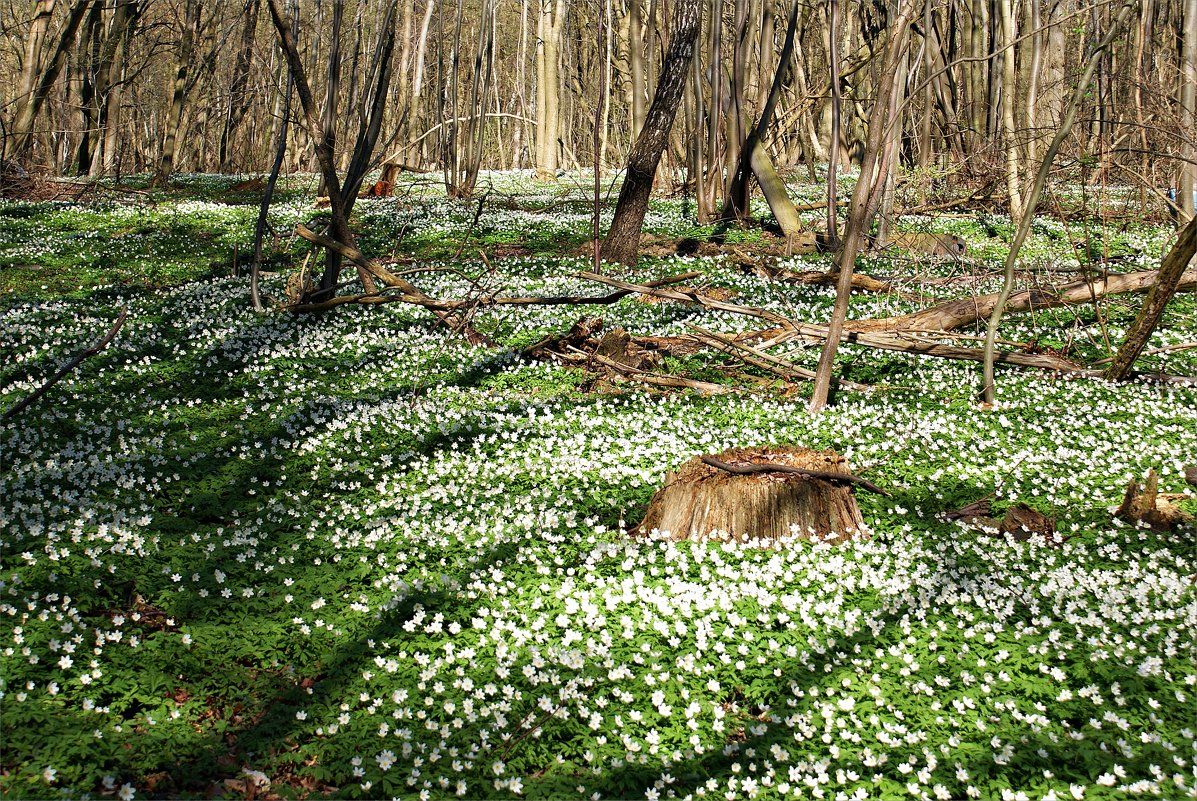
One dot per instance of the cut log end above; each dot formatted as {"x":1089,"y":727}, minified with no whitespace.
{"x":703,"y":501}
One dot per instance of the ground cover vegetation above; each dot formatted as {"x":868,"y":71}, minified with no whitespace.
{"x":350,"y":554}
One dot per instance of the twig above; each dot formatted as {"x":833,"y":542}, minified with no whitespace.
{"x":752,"y":356}
{"x":91,"y":350}
{"x":1155,"y":351}
{"x":820,"y":475}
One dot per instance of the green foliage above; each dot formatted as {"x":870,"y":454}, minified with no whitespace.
{"x":363,"y":559}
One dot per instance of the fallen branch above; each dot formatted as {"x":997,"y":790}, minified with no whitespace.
{"x":883,"y":341}
{"x":703,"y":387}
{"x":958,"y":313}
{"x":86,"y":353}
{"x":409,"y":293}
{"x":705,"y":301}
{"x":864,"y":283}
{"x":821,"y":475}
{"x":1154,"y":352}
{"x":752,"y":356}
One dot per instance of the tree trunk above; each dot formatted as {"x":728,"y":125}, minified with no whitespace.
{"x":417,"y":90}
{"x":638,"y":85}
{"x":1188,"y":170}
{"x":753,"y":156}
{"x":239,"y":98}
{"x":880,"y":122}
{"x":174,"y":119}
{"x":332,"y":88}
{"x":550,"y":27}
{"x":955,"y":314}
{"x":88,"y":64}
{"x":372,"y":108}
{"x":1168,"y":280}
{"x":833,"y":51}
{"x":801,"y":498}
{"x":988,"y":388}
{"x":323,"y":148}
{"x":43,"y":11}
{"x":623,"y":239}
{"x":1009,"y":91}
{"x":279,"y":154}
{"x":19,"y":139}
{"x":110,"y":87}
{"x":714,"y":178}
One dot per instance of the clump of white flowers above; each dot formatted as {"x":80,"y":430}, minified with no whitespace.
{"x":269,"y":496}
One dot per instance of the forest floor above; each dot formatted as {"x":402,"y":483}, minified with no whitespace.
{"x":294,"y":555}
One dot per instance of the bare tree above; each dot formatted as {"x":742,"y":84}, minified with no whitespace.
{"x":239,"y":96}
{"x":192,"y":14}
{"x":1188,"y":95}
{"x":29,"y":104}
{"x":864,"y":197}
{"x":622,"y":244}
{"x":988,"y":389}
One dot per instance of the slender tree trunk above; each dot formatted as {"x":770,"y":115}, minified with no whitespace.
{"x":89,"y":100}
{"x":880,"y":121}
{"x":1034,"y":68}
{"x":332,"y":88}
{"x":714,"y":178}
{"x":1009,"y":90}
{"x":736,"y":131}
{"x":417,"y":91}
{"x":323,"y":147}
{"x":802,"y":89}
{"x":622,"y":244}
{"x":43,"y":11}
{"x":372,"y":106}
{"x":639,"y":86}
{"x":1175,"y":264}
{"x":1188,"y":95}
{"x":280,"y":153}
{"x":1032,"y":200}
{"x":191,"y":21}
{"x":476,"y":110}
{"x":833,"y":56}
{"x":111,"y":86}
{"x":605,"y":83}
{"x":925,"y":154}
{"x":550,"y":27}
{"x":599,"y":136}
{"x":19,"y":139}
{"x":755,"y":159}
{"x":521,"y":133}
{"x":239,"y":98}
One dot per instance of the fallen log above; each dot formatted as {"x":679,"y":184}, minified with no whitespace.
{"x":750,"y":355}
{"x":884,"y":341}
{"x":655,"y":379}
{"x":956,"y":313}
{"x":864,"y":283}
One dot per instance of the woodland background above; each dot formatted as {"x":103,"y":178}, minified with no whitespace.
{"x":106,"y":88}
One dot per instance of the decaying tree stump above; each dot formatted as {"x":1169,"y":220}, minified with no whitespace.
{"x":1144,"y":503}
{"x":760,"y":493}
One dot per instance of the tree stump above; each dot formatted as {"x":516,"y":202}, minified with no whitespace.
{"x":1144,"y":503}
{"x":771,"y":495}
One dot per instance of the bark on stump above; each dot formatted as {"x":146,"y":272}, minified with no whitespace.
{"x":703,"y":501}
